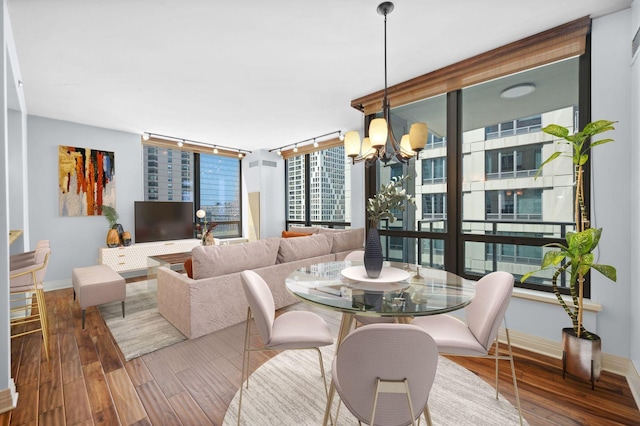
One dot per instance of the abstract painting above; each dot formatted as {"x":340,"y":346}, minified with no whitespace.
{"x":86,"y":181}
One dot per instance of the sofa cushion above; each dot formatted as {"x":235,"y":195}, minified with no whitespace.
{"x":291,"y":234}
{"x":213,"y":261}
{"x":347,"y":240}
{"x":292,"y":249}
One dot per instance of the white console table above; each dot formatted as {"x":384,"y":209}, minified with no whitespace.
{"x":134,"y":257}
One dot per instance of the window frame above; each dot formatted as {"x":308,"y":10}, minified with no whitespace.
{"x":454,"y":239}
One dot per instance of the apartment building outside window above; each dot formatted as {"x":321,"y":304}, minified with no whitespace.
{"x":502,"y":213}
{"x":218,"y":192}
{"x":326,"y":198}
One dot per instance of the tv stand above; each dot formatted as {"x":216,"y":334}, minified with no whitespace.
{"x":134,"y":257}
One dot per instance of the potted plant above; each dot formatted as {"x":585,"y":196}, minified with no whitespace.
{"x":577,"y":256}
{"x":391,"y":196}
{"x":113,"y":236}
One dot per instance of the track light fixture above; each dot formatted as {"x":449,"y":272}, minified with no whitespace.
{"x":180,"y":142}
{"x":300,"y":144}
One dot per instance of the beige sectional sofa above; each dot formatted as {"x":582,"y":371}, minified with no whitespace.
{"x":214,"y":298}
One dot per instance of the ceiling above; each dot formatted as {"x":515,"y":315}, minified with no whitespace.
{"x":250,"y":74}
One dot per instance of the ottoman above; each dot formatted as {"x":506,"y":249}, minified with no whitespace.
{"x":96,"y":285}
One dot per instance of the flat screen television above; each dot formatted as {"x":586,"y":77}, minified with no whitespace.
{"x":163,"y":221}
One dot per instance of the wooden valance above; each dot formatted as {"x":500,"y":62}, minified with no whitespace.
{"x":308,"y":149}
{"x":186,"y":146}
{"x":558,"y":43}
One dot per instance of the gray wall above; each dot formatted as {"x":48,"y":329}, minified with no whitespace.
{"x":75,"y":240}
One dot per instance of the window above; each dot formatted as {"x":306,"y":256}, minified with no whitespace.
{"x":325,"y":198}
{"x":480,"y":207}
{"x":218,"y":192}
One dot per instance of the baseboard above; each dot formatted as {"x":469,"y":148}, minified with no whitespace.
{"x":8,"y":397}
{"x":611,"y":363}
{"x":57,"y":284}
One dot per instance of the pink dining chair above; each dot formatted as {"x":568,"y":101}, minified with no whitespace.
{"x":290,"y":330}
{"x":483,"y":316}
{"x":383,"y":373}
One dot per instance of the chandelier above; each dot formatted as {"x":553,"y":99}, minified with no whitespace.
{"x":381,"y":143}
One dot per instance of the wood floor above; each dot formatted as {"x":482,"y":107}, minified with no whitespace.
{"x":87,"y":381}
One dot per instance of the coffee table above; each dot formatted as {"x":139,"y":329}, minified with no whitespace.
{"x":173,"y":261}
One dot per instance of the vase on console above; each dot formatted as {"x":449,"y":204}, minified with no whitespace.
{"x":373,"y":253}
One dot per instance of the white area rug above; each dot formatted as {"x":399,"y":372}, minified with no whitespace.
{"x":287,"y":390}
{"x":143,"y":329}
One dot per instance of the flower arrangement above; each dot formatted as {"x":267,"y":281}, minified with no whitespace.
{"x":206,"y":228}
{"x":391,"y":196}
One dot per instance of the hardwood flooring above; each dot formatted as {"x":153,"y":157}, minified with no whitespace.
{"x":88,"y":382}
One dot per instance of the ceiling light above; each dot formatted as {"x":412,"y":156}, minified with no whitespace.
{"x":295,"y":148}
{"x":20,"y":83}
{"x":384,"y":146}
{"x":341,"y":136}
{"x":518,"y":90}
{"x":240,"y":155}
{"x":315,"y":143}
{"x":180,"y":143}
{"x":145,"y":136}
{"x":279,"y":152}
{"x":215,"y":149}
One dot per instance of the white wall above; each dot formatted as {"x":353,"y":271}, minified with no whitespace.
{"x":75,"y":240}
{"x":610,"y":99}
{"x":18,"y":184}
{"x":269,"y":182}
{"x":634,"y":175}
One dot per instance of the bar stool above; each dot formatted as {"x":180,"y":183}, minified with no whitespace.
{"x":24,"y":281}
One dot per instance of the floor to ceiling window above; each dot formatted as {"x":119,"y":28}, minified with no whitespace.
{"x":482,"y":206}
{"x":211,"y":181}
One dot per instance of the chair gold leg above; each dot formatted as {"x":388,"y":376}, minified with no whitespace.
{"x":42,"y":313}
{"x":513,"y":375}
{"x":427,"y":415}
{"x":245,"y":361}
{"x":497,"y":367}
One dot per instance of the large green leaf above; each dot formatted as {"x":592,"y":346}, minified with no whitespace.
{"x":598,"y":127}
{"x":606,"y":270}
{"x":600,"y":142}
{"x":548,"y":160}
{"x":555,"y":130}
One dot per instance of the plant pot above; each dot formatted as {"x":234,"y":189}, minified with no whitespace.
{"x":113,"y":239}
{"x":581,"y":357}
{"x":373,"y":254}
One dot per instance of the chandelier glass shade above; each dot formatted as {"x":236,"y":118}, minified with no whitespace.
{"x":381,"y":143}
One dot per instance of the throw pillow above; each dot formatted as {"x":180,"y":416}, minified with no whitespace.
{"x":188,"y":267}
{"x":291,"y":234}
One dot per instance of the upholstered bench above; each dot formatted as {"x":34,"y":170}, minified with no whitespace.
{"x":96,"y":285}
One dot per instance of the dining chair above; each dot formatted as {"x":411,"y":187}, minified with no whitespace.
{"x":383,"y":373}
{"x":358,"y":255}
{"x":24,"y":281}
{"x":483,"y":316}
{"x":290,"y":330}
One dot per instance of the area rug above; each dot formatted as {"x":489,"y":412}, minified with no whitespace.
{"x":287,"y":390}
{"x":143,"y":329}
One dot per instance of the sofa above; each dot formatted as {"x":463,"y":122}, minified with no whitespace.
{"x":213,"y":299}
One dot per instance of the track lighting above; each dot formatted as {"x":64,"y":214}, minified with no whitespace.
{"x":301,"y":143}
{"x":181,"y":142}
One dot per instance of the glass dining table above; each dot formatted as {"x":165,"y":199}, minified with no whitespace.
{"x":403,"y":291}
